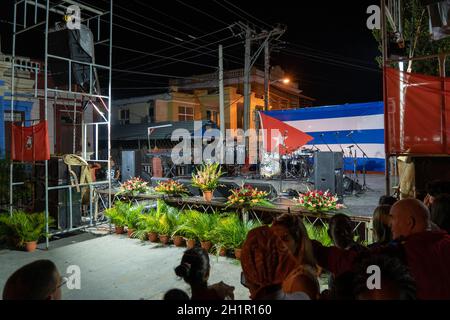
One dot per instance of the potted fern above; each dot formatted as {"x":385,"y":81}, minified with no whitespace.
{"x":204,"y":229}
{"x":223,"y":233}
{"x":239,"y":234}
{"x":133,"y":217}
{"x":207,"y":179}
{"x":187,"y":228}
{"x":25,"y":228}
{"x":116,"y":215}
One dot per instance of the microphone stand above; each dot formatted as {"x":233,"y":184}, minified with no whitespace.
{"x":365,"y":157}
{"x":321,"y":137}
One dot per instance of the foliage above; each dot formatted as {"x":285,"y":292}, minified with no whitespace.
{"x":171,"y":188}
{"x":417,"y":40}
{"x":318,"y":233}
{"x":187,"y":228}
{"x":133,"y":216}
{"x":247,"y":197}
{"x":133,"y":187}
{"x":231,"y":231}
{"x":317,"y":200}
{"x":117,"y":214}
{"x":25,"y":227}
{"x":207,"y":178}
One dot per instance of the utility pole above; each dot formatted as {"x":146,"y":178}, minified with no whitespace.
{"x":221,"y":95}
{"x":266,"y":75}
{"x":247,"y":69}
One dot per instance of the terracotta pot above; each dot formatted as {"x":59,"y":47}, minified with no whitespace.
{"x":207,"y":196}
{"x":237,"y":253}
{"x":191,"y":243}
{"x":164,"y":238}
{"x":153,"y":237}
{"x":178,"y":241}
{"x":206,"y":245}
{"x":119,"y":229}
{"x":130,"y":232}
{"x":222,"y":252}
{"x":30,"y":246}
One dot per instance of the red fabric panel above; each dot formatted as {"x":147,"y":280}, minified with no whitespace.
{"x":415,"y":114}
{"x":276,"y":130}
{"x":30,"y":143}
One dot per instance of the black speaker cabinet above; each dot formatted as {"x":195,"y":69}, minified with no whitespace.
{"x":58,"y":200}
{"x":328,"y":172}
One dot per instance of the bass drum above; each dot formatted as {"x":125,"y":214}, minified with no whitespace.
{"x":270,"y":165}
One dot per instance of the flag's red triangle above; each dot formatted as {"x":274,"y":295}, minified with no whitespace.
{"x":293,"y":137}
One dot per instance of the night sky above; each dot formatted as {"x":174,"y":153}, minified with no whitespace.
{"x":327,"y":47}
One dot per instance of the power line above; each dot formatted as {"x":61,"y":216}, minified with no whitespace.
{"x":203,"y":12}
{"x":248,"y":14}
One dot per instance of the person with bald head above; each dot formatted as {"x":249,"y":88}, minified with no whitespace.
{"x":409,"y":216}
{"x":425,"y":252}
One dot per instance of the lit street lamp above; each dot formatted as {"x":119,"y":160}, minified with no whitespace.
{"x":267,"y":87}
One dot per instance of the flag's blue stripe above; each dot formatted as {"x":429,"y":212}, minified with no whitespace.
{"x":336,"y":137}
{"x":327,"y":112}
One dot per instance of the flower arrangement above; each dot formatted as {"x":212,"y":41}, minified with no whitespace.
{"x":133,"y":187}
{"x":207,"y":178}
{"x":247,"y":197}
{"x":171,"y":188}
{"x":317,"y":200}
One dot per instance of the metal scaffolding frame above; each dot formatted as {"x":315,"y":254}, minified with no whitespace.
{"x":25,"y":10}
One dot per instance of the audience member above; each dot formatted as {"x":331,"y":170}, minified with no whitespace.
{"x":194,"y":269}
{"x":434,"y":189}
{"x":387,"y":200}
{"x":340,"y":230}
{"x":440,"y":212}
{"x":425,"y":252}
{"x":39,"y":280}
{"x":394,"y":280}
{"x":266,"y":263}
{"x":381,"y":224}
{"x":176,"y":295}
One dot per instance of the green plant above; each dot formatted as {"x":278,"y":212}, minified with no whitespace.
{"x":187,"y":226}
{"x":133,"y":216}
{"x":247,"y":197}
{"x":24,"y":227}
{"x":318,"y":233}
{"x":116,"y":216}
{"x":207,"y":177}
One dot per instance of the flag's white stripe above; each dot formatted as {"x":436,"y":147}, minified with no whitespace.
{"x":372,"y":150}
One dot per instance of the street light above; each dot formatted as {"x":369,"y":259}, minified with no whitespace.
{"x":267,"y":87}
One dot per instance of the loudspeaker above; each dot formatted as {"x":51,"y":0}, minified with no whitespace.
{"x":224,"y":190}
{"x":58,"y":200}
{"x":131,"y":164}
{"x":328,"y":172}
{"x":77,"y":45}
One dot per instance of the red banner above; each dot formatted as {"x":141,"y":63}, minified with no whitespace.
{"x":281,"y":137}
{"x":418,"y":113}
{"x":30,"y":143}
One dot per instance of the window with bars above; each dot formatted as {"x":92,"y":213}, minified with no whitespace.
{"x":124,"y":116}
{"x":185,"y":113}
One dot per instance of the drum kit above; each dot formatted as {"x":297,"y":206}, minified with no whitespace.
{"x":297,"y":165}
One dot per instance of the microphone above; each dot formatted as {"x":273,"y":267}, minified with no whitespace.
{"x":349,"y":134}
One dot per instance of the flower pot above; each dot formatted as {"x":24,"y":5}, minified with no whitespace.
{"x":191,"y":243}
{"x":153,"y":237}
{"x":164,"y":238}
{"x":222,"y":252}
{"x":30,"y":246}
{"x":207,"y":195}
{"x":178,"y":241}
{"x":118,"y":229}
{"x":237,"y":253}
{"x":130,"y":232}
{"x":206,"y":245}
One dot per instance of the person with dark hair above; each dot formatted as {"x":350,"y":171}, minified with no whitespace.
{"x":266,"y":264}
{"x":342,"y":288}
{"x":440,"y":212}
{"x":194,"y":269}
{"x":39,"y":280}
{"x":176,"y":295}
{"x":381,"y":225}
{"x":340,"y":230}
{"x":387,"y":200}
{"x":395,"y":282}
